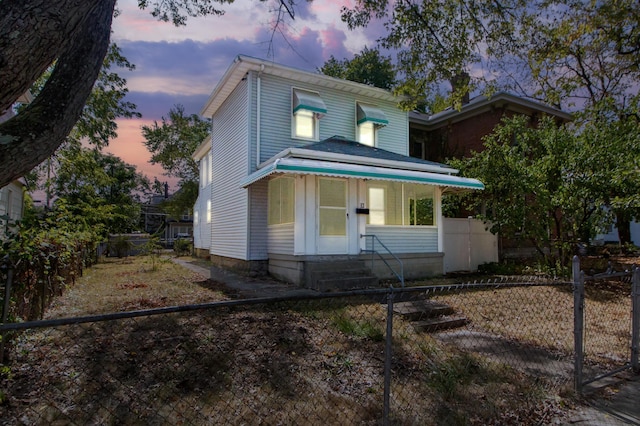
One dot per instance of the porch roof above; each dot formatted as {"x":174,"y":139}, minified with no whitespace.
{"x":359,"y":171}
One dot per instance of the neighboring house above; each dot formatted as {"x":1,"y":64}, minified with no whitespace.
{"x":12,"y":195}
{"x":157,"y":222}
{"x":202,"y":208}
{"x":456,"y":134}
{"x":288,"y":196}
{"x":11,"y":205}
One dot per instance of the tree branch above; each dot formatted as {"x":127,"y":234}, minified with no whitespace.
{"x":34,"y":134}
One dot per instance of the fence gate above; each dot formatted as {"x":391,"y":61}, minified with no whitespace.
{"x":606,"y":334}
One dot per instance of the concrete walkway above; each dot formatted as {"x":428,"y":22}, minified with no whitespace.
{"x":620,"y":407}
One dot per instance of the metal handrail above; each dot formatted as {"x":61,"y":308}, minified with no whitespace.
{"x":374,"y":238}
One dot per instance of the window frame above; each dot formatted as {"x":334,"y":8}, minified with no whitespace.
{"x":289,"y":216}
{"x":315,"y":117}
{"x":369,"y":121}
{"x":407,"y":196}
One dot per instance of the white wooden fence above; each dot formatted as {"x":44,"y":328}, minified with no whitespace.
{"x":467,"y":244}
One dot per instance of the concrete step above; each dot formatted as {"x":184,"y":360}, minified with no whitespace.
{"x":416,"y":310}
{"x":346,"y":283}
{"x":441,"y":323}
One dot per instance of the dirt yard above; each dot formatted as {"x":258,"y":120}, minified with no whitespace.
{"x":290,"y":363}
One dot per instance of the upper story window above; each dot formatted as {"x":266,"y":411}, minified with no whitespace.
{"x":308,"y":109}
{"x":369,"y":120}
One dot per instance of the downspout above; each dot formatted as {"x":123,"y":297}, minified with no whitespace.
{"x":258,"y":96}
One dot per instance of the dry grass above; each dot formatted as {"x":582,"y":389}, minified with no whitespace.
{"x":117,"y":285}
{"x":300,"y":362}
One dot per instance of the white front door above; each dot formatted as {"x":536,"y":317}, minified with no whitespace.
{"x":332,"y":216}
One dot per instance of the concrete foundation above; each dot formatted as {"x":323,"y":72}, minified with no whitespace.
{"x":252,"y":268}
{"x":416,"y":265}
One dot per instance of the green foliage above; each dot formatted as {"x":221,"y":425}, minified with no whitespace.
{"x":436,"y":41}
{"x":173,"y":141}
{"x":364,"y":328}
{"x":153,"y":249}
{"x":100,"y":189}
{"x":178,"y":11}
{"x":47,"y":252}
{"x":171,"y":144}
{"x":182,"y":247}
{"x":367,"y":67}
{"x":121,"y":245}
{"x":548,"y":185}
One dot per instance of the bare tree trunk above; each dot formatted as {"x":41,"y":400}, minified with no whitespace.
{"x":83,"y":29}
{"x":33,"y":33}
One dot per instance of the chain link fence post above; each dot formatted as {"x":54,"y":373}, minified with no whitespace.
{"x":387,"y":359}
{"x":635,"y":318}
{"x":7,"y":268}
{"x":578,"y":323}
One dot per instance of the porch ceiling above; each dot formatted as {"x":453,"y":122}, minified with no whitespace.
{"x":346,"y":170}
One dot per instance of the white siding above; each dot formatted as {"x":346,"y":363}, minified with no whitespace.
{"x":340,"y":120}
{"x":230,"y":158}
{"x":405,"y":239}
{"x":17,"y":199}
{"x":281,"y":238}
{"x":202,"y":228}
{"x":258,"y":195}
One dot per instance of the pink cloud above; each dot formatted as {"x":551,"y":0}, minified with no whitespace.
{"x":129,"y":146}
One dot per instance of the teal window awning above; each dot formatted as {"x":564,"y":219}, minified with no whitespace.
{"x":371,"y":114}
{"x":308,"y":101}
{"x":359,"y":171}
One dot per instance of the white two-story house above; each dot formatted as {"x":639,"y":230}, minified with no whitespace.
{"x":309,"y":170}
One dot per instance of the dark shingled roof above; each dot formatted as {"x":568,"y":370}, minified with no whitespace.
{"x":340,"y":145}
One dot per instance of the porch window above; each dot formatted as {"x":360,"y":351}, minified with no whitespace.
{"x":281,"y":200}
{"x":208,"y":211}
{"x":308,"y":108}
{"x":402,"y":204}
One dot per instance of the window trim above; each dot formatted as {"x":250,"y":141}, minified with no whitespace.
{"x":405,"y":207}
{"x":370,"y":115}
{"x":317,"y":111}
{"x":271,"y":221}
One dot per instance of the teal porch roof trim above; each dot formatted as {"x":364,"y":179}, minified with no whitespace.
{"x":367,"y":113}
{"x":308,"y":101}
{"x":358,"y":171}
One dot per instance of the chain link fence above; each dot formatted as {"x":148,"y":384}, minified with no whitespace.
{"x":606,"y":323}
{"x":497,"y":352}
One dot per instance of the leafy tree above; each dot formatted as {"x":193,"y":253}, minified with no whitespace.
{"x":75,"y":36}
{"x":548,"y":184}
{"x":99,"y":189}
{"x":438,"y":40}
{"x":367,"y":67}
{"x":172,"y":143}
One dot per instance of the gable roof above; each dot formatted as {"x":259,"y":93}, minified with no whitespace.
{"x":481,"y":104}
{"x":244,"y":64}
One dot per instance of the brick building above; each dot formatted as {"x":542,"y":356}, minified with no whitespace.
{"x":456,"y":133}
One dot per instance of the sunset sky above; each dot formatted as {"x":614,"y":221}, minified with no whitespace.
{"x":182,"y":65}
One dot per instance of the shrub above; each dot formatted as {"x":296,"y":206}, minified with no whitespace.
{"x":182,"y":246}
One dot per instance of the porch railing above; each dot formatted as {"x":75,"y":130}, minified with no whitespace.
{"x":399,"y":275}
